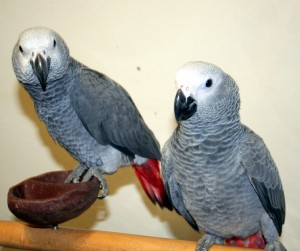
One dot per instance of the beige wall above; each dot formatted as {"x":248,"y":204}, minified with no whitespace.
{"x":257,"y":42}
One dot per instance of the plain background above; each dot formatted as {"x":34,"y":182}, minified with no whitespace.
{"x":141,"y":44}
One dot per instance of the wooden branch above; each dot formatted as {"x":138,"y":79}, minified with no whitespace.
{"x":17,"y":235}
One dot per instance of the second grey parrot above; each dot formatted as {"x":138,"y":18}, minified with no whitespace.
{"x":218,"y":173}
{"x":87,"y":113}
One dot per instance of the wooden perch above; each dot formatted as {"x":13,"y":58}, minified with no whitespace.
{"x":17,"y":235}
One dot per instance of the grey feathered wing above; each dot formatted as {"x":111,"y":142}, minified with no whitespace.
{"x":264,"y":177}
{"x":173,"y":188}
{"x":108,"y":113}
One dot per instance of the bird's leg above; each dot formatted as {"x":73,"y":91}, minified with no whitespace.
{"x":270,"y":233}
{"x":275,"y":246}
{"x":76,"y":175}
{"x":207,"y":241}
{"x":83,"y":174}
{"x":95,"y":172}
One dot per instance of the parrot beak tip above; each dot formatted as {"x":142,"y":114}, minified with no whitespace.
{"x":40,"y":68}
{"x":184,"y":108}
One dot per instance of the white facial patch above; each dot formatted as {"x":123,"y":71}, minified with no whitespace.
{"x":198,"y":79}
{"x":187,"y":80}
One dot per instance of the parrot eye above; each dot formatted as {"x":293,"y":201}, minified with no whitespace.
{"x":54,"y":43}
{"x":209,"y":83}
{"x":21,"y":49}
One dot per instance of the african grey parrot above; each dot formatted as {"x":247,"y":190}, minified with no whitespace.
{"x":219,"y":174}
{"x":87,"y":113}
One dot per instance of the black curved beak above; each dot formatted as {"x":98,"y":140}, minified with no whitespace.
{"x":41,"y":69}
{"x":184,"y":108}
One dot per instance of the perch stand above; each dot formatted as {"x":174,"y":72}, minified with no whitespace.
{"x":18,"y":235}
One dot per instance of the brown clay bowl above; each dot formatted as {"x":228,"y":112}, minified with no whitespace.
{"x":45,"y":200}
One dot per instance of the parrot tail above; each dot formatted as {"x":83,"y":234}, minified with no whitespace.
{"x":152,"y":183}
{"x":253,"y":241}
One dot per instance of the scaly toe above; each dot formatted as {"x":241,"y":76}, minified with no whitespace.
{"x":95,"y":172}
{"x":207,"y":241}
{"x":275,"y":246}
{"x":84,"y":174}
{"x":76,"y":175}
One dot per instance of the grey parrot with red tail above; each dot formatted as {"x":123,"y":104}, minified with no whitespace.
{"x":218,"y":173}
{"x":87,"y":113}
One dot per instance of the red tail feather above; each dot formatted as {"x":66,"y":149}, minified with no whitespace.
{"x":152,"y":183}
{"x":253,"y":241}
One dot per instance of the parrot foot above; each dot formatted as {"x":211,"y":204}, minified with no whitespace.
{"x":275,"y":246}
{"x":84,"y":174}
{"x":207,"y":241}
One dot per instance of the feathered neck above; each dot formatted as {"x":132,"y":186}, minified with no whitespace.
{"x":55,"y":90}
{"x":216,"y":133}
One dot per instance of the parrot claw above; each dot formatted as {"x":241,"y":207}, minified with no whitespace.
{"x":84,"y":174}
{"x":207,"y":241}
{"x":76,"y":175}
{"x":275,"y":246}
{"x":95,"y":172}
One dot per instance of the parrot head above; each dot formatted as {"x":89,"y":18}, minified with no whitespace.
{"x":39,"y":57}
{"x":206,"y":92}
